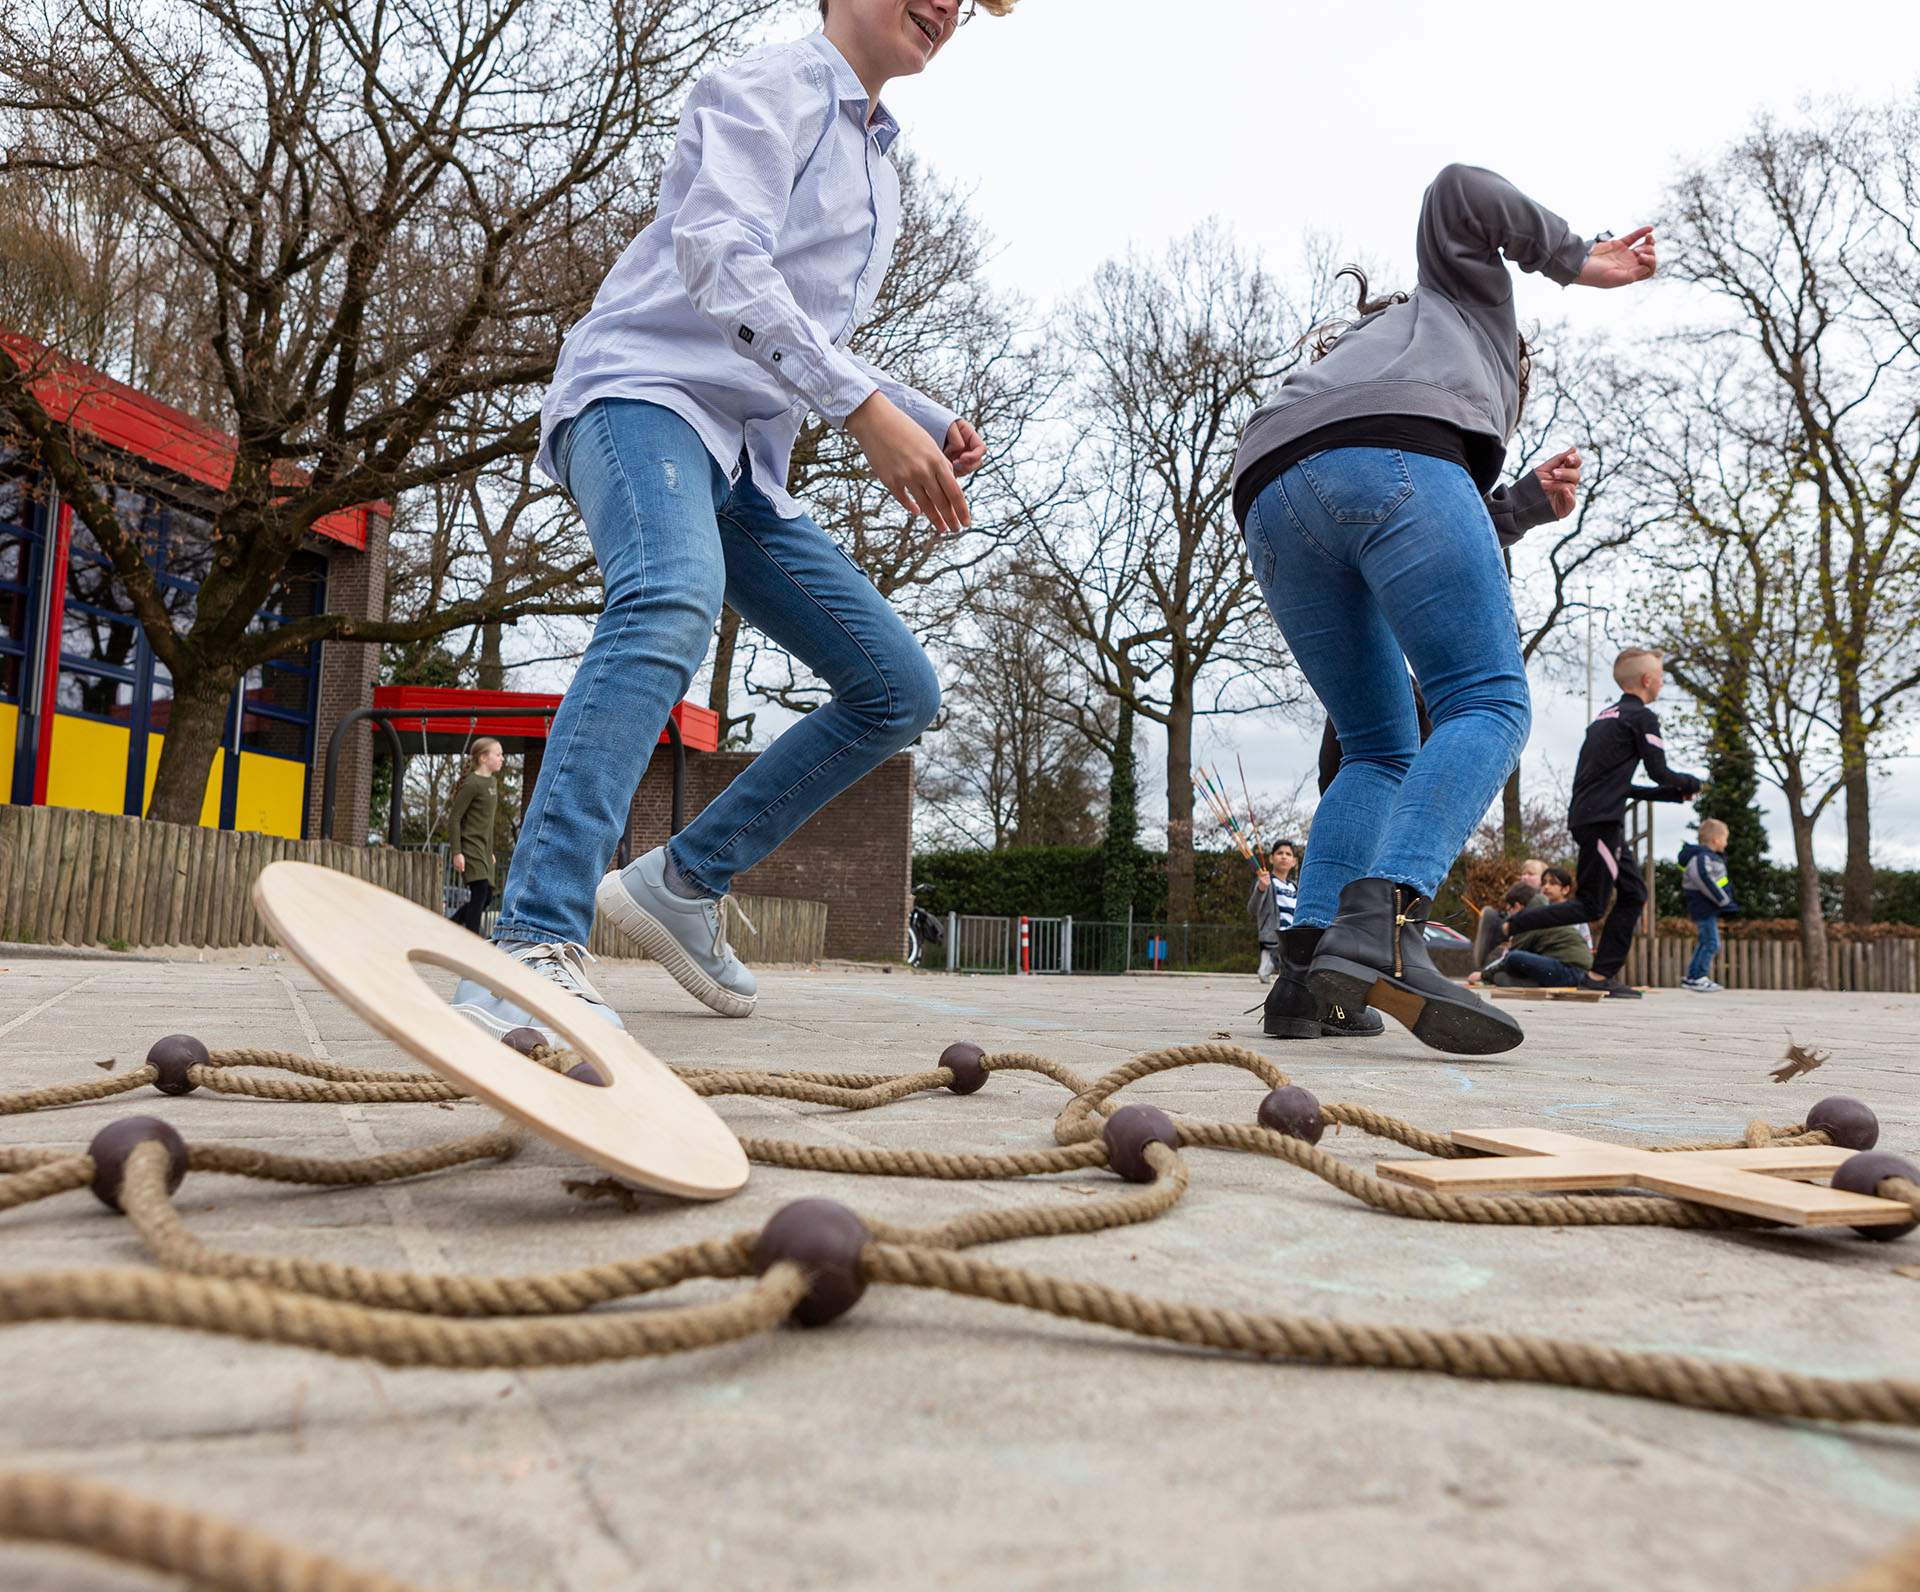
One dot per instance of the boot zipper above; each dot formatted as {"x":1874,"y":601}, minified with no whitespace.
{"x":1399,"y":923}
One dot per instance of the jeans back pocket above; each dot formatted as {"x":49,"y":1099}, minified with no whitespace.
{"x":1359,"y":486}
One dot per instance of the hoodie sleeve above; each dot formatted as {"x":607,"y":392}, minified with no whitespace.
{"x":1473,"y":223}
{"x":1517,"y":506}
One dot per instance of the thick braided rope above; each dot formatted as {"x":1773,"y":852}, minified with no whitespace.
{"x":73,"y":1094}
{"x":252,"y":1310}
{"x":44,"y":1181}
{"x":210,"y":1552}
{"x":239,"y":1160}
{"x":144,"y":1197}
{"x":1691,"y":1380}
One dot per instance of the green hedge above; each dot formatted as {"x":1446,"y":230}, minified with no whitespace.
{"x":1065,"y":881}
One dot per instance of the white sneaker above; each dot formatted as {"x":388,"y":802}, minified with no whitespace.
{"x":1702,"y":986}
{"x":559,"y":963}
{"x":687,"y":938}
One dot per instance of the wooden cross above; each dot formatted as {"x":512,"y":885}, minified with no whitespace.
{"x":1758,"y":1182}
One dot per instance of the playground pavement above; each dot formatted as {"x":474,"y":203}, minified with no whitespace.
{"x":930,"y":1441}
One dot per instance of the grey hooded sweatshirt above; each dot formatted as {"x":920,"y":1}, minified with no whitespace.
{"x":1450,"y":353}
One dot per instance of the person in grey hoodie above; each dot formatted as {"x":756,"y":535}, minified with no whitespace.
{"x":1367,"y":490}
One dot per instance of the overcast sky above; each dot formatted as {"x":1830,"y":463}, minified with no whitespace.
{"x":1087,"y":126}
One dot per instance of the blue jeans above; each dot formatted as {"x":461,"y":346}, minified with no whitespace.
{"x":1705,"y":949}
{"x":1530,"y":967}
{"x":673,"y":537}
{"x":1372,"y":559}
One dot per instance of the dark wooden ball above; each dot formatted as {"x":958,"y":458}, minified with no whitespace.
{"x":1293,"y":1111}
{"x":1129,"y":1131}
{"x":583,"y":1072}
{"x":1850,"y":1123}
{"x":114,"y":1143}
{"x":1864,"y":1173}
{"x":524,"y":1040}
{"x":171,"y":1057}
{"x":964,"y":1062}
{"x":824,"y":1239}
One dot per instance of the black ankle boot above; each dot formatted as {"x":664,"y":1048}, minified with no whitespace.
{"x":1374,"y":953}
{"x":1295,"y":1012}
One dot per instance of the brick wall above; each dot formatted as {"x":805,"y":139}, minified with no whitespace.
{"x":855,"y":854}
{"x":357,"y":585}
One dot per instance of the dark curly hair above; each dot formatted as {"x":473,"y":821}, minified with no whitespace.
{"x":1319,"y":339}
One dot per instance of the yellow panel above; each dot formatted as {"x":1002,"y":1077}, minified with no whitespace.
{"x":272,"y":796}
{"x":9,"y":724}
{"x":210,"y":808}
{"x":88,"y":767}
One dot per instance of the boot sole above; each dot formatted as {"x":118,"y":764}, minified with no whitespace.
{"x":1292,"y":1028}
{"x":1440,"y":1025}
{"x":651,"y":935}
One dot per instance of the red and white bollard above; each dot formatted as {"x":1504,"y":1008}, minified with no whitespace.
{"x":1026,"y":959}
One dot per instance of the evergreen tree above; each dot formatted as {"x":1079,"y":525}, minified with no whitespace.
{"x":1733,"y":788}
{"x":1119,"y":860}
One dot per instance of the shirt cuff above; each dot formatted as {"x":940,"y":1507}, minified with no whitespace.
{"x":1565,"y":264}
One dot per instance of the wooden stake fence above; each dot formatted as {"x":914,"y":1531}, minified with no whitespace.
{"x":1880,"y":966}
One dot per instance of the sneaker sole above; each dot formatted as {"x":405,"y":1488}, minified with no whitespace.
{"x":652,"y":936}
{"x":1459,"y":1030}
{"x":499,"y":1027}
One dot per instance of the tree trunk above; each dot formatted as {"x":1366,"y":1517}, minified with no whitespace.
{"x":721,"y":685}
{"x":195,"y":723}
{"x":1857,"y":901}
{"x":1813,"y":923}
{"x":1512,"y":842}
{"x":491,"y":673}
{"x":1123,"y":824}
{"x":1180,"y":807}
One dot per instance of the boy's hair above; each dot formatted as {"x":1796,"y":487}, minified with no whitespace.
{"x":1518,"y":895}
{"x":1631,"y":664}
{"x":1291,"y":845}
{"x":1559,"y":876}
{"x":1534,"y":865}
{"x":1709,"y":828}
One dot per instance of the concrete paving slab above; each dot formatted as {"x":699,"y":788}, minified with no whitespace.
{"x":931,"y":1441}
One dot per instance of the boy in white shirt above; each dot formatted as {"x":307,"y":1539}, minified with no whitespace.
{"x":670,"y":421}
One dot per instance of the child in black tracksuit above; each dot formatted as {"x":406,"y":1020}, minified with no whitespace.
{"x":1624,"y":737}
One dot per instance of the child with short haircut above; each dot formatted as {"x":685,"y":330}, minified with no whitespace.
{"x":1704,"y":884}
{"x":671,"y":421}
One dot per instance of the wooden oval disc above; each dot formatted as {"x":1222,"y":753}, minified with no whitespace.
{"x":363,"y":943}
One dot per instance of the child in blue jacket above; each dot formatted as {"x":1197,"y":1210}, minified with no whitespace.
{"x":1708,"y":900}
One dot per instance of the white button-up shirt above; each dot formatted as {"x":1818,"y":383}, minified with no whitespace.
{"x":777,"y":217}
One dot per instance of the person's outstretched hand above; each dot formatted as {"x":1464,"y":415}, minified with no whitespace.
{"x":965,"y":451}
{"x":1617,"y":262}
{"x":1560,"y":476}
{"x":909,"y":464}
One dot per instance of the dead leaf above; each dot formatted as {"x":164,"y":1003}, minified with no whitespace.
{"x":109,"y":1064}
{"x":606,"y":1188}
{"x":1799,"y":1059}
{"x":1222,"y":1034}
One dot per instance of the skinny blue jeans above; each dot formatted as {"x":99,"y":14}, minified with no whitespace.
{"x":1372,"y":559}
{"x":673,"y":537}
{"x":1705,"y":948}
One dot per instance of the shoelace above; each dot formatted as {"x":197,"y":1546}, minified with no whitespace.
{"x":720,"y":947}
{"x":560,"y":961}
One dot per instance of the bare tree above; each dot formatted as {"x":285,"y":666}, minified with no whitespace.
{"x":1805,"y":237}
{"x":1151,"y":589}
{"x":1006,"y":770}
{"x":384,"y":210}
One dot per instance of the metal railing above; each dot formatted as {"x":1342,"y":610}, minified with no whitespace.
{"x":978,"y":944}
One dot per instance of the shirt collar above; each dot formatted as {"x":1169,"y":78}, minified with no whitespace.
{"x":881,"y":126}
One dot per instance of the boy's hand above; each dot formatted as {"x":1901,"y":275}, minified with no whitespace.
{"x":965,"y":451}
{"x":1616,"y":262}
{"x":908,"y":464}
{"x":1560,"y":476}
{"x":459,"y":862}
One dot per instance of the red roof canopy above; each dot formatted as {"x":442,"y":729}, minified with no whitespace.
{"x":450,"y":711}
{"x":123,"y":417}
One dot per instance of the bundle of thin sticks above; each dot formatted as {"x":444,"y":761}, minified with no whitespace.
{"x":1213,"y":792}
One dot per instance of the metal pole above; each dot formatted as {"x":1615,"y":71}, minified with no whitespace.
{"x":953,"y":942}
{"x":1066,"y":944}
{"x":1126,"y":959}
